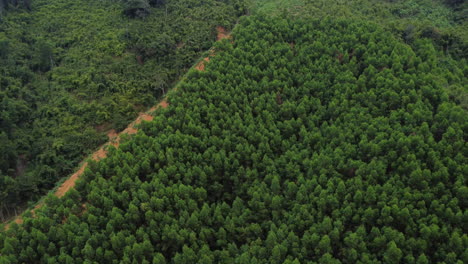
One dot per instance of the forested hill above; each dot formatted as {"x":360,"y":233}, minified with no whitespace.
{"x":443,"y":21}
{"x":302,"y":141}
{"x":70,"y":70}
{"x":5,"y":5}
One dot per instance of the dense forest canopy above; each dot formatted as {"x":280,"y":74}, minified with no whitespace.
{"x":70,"y":70}
{"x":5,"y":5}
{"x":443,"y":21}
{"x":303,"y":141}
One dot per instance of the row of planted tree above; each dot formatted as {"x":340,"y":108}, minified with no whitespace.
{"x":71,"y":70}
{"x":303,"y":141}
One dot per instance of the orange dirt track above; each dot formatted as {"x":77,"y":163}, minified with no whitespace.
{"x":114,"y":138}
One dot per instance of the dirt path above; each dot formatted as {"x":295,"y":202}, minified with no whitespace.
{"x":222,"y":34}
{"x":201,"y":65}
{"x":114,"y":138}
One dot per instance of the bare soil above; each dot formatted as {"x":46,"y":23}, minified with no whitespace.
{"x":114,"y":137}
{"x":222,"y":33}
{"x":70,"y":182}
{"x":114,"y":140}
{"x":112,"y":134}
{"x":201,"y":65}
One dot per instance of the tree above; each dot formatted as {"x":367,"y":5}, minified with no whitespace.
{"x":45,"y":56}
{"x":137,"y":8}
{"x":393,"y":254}
{"x":454,"y":3}
{"x":347,"y":169}
{"x":159,"y":259}
{"x":157,"y":3}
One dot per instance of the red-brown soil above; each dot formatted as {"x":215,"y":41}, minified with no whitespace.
{"x":163,"y":104}
{"x":114,"y":137}
{"x":70,"y":182}
{"x":19,"y":221}
{"x":222,"y":33}
{"x":112,"y":134}
{"x":201,"y":65}
{"x":114,"y":140}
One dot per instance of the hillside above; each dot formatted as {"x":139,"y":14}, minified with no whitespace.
{"x":301,"y":141}
{"x":73,"y":71}
{"x":443,"y":21}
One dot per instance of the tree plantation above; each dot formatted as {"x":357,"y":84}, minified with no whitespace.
{"x":442,"y":21}
{"x":302,"y":141}
{"x":72,"y":70}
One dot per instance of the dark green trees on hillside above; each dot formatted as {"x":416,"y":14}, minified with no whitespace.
{"x":6,"y":4}
{"x":302,"y":142}
{"x":442,"y":21}
{"x":137,"y":8}
{"x":70,"y":70}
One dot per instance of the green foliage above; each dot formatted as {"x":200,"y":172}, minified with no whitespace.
{"x":137,"y":8}
{"x":15,"y":4}
{"x":444,"y":22}
{"x":72,"y":69}
{"x":310,"y":141}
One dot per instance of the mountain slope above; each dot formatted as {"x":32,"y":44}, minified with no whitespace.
{"x":310,"y":141}
{"x":73,"y":70}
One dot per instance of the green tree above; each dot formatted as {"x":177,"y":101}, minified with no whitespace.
{"x":393,"y":254}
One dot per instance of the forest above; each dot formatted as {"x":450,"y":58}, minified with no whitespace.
{"x":319,"y":132}
{"x":72,"y":70}
{"x":302,"y":141}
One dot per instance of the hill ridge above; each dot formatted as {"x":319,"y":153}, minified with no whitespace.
{"x":114,"y":138}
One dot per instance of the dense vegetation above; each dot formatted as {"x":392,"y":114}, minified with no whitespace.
{"x":443,"y":21}
{"x":304,"y":141}
{"x":70,"y":70}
